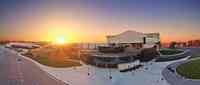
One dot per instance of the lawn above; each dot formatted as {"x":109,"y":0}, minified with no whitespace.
{"x":55,"y":63}
{"x":194,"y":57}
{"x":190,"y":70}
{"x":170,"y":51}
{"x":54,"y":58}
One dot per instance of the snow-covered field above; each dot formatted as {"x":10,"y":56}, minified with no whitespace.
{"x":100,"y":76}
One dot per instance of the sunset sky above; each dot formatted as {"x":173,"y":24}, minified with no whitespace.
{"x":92,"y":20}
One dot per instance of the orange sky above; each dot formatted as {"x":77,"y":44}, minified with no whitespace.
{"x":79,"y":21}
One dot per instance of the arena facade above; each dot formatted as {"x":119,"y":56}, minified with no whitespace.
{"x":124,"y":50}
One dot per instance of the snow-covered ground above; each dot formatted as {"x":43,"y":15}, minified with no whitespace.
{"x":100,"y":76}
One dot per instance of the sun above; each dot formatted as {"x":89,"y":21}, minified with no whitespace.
{"x":60,"y":40}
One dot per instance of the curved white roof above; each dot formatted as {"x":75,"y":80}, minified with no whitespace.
{"x":127,"y":37}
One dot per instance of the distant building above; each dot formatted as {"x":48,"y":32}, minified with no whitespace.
{"x":22,"y":45}
{"x":193,"y":43}
{"x":181,"y":44}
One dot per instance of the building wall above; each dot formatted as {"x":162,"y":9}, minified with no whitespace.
{"x":152,"y":38}
{"x":134,"y":37}
{"x":127,"y":39}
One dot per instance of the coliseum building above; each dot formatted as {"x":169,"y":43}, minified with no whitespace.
{"x":124,"y":50}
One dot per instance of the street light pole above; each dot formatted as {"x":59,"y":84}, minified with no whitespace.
{"x":110,"y":77}
{"x":109,"y":72}
{"x":88,"y":71}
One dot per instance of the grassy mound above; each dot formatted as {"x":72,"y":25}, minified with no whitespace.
{"x":55,"y":63}
{"x":190,"y":70}
{"x":168,"y":55}
{"x":55,"y":56}
{"x":194,"y":57}
{"x":170,"y":51}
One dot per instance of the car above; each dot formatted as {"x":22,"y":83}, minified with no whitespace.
{"x":170,"y":69}
{"x":19,"y":59}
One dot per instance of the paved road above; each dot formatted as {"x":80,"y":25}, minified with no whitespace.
{"x":24,"y":72}
{"x":173,"y":78}
{"x":194,"y":51}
